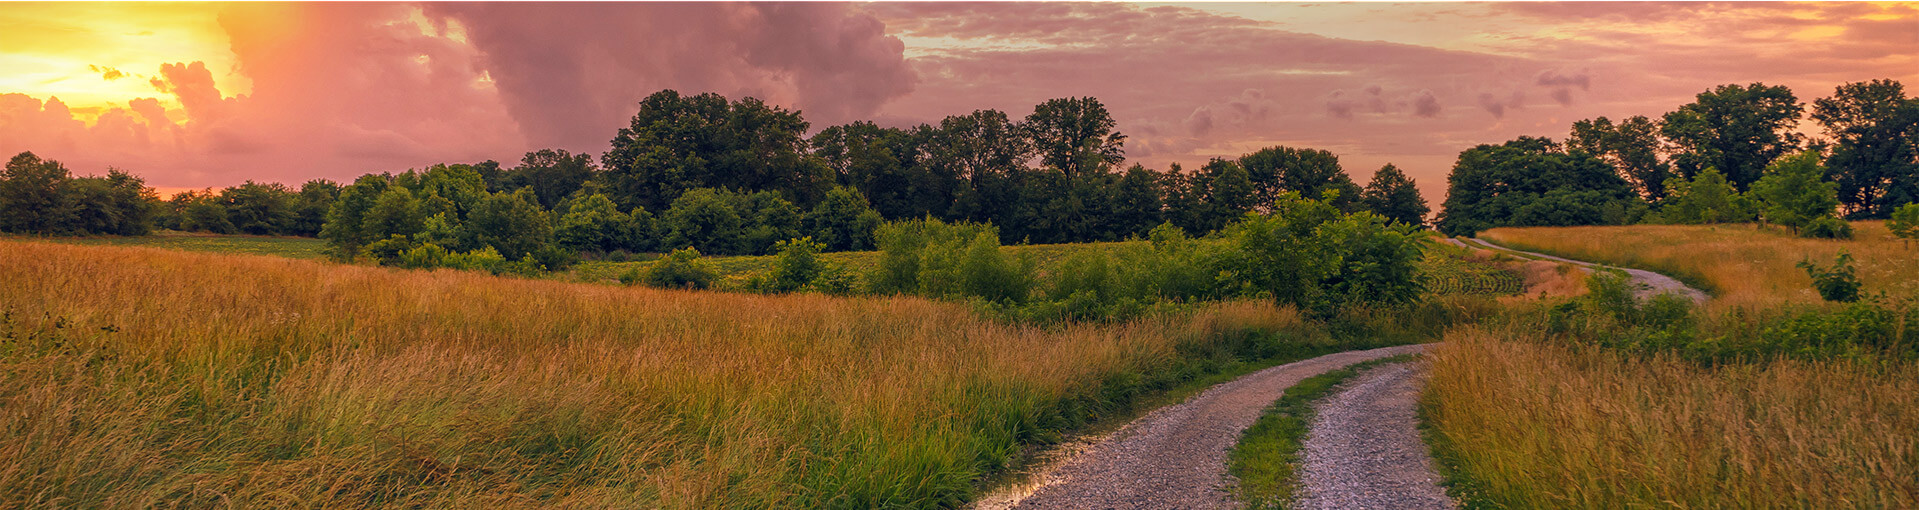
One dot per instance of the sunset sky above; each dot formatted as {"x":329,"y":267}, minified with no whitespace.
{"x":195,"y":95}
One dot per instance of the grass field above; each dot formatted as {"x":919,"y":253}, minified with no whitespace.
{"x":291,"y":247}
{"x":147,"y":377}
{"x":1542,"y":425}
{"x":1740,"y":264}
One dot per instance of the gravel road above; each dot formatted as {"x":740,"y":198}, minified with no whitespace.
{"x":1175,"y":456}
{"x":1363,"y":449}
{"x":1650,"y":283}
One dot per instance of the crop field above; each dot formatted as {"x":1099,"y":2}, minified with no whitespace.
{"x":137,"y":376}
{"x":1742,"y":265}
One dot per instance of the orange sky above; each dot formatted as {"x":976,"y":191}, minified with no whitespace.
{"x":195,"y":94}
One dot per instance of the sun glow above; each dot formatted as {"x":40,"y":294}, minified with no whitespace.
{"x":99,"y":56}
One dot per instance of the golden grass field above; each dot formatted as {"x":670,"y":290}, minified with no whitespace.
{"x":134,"y":377}
{"x":1533,"y":422}
{"x":1742,"y":265}
{"x":1542,"y":425}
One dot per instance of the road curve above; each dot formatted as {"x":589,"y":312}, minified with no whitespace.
{"x":1175,"y":456}
{"x":1650,"y":283}
{"x":1363,"y":448}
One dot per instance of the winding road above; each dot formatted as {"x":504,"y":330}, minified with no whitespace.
{"x":1362,"y":450}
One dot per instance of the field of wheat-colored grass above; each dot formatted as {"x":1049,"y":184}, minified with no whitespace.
{"x":1742,"y":265}
{"x":1540,"y":425}
{"x":143,"y":377}
{"x":282,"y":246}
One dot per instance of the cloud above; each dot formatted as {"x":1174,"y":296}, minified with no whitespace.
{"x":107,"y":73}
{"x":1554,"y":78}
{"x":1498,"y":105}
{"x":1425,"y":104}
{"x":571,"y":74}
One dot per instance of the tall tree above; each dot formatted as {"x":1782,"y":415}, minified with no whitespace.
{"x":1075,"y":135}
{"x":33,"y":196}
{"x":1138,"y":205}
{"x":1794,"y":191}
{"x":310,"y":208}
{"x":1310,"y":172}
{"x":677,"y":143}
{"x":1875,"y":152}
{"x":1393,"y":196}
{"x":1229,"y":195}
{"x":260,"y":209}
{"x":1528,"y":182}
{"x":1632,"y":147}
{"x":553,"y":175}
{"x":346,"y":231}
{"x":512,"y":223}
{"x":1736,"y":129}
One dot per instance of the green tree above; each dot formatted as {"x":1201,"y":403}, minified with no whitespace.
{"x":1393,"y":196}
{"x":1905,"y":222}
{"x":1529,"y":182}
{"x":1794,"y":193}
{"x":118,"y":204}
{"x":594,"y":224}
{"x":33,"y":196}
{"x":346,"y":229}
{"x":704,"y":219}
{"x":310,"y":208}
{"x":1137,"y":206}
{"x":260,"y":209}
{"x":842,"y":221}
{"x":511,"y":223}
{"x":1075,"y":135}
{"x":1632,"y":147}
{"x":1281,"y":254}
{"x":1736,"y":129}
{"x":1229,"y":195}
{"x":1310,"y":172}
{"x":679,"y":143}
{"x":766,"y":219}
{"x":552,"y":174}
{"x":1874,"y":128}
{"x":1707,"y":198}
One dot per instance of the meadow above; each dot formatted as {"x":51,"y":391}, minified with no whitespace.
{"x":145,"y":377}
{"x":1741,"y":265}
{"x":279,"y":246}
{"x":1765,"y":397}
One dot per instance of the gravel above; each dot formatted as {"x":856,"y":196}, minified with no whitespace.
{"x":1175,"y":457}
{"x":1363,"y":449}
{"x":1650,"y":283}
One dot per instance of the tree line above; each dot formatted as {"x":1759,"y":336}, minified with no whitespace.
{"x":1732,"y":155}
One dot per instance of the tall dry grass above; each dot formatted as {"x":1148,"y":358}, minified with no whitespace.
{"x":1744,"y":266}
{"x":1540,"y":425}
{"x":140,"y":377}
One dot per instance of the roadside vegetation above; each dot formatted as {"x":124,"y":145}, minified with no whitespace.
{"x":1266,"y":460}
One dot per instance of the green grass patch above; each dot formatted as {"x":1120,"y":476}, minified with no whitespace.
{"x":1455,"y":473}
{"x":1266,"y":461}
{"x":290,"y":247}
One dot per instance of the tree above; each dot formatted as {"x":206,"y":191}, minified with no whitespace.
{"x":1736,"y":129}
{"x":1905,"y":223}
{"x":33,"y":196}
{"x":1529,"y":182}
{"x":842,"y":221}
{"x":346,"y":229}
{"x":1394,"y":197}
{"x":511,"y":223}
{"x":1632,"y":147}
{"x":1875,"y":152}
{"x":1075,"y":135}
{"x":118,"y":204}
{"x":678,"y":143}
{"x":1137,"y":206}
{"x":704,"y":219}
{"x":1229,"y":195}
{"x":1309,"y":172}
{"x":310,"y":208}
{"x":594,"y":224}
{"x":260,"y":209}
{"x":1794,"y":193}
{"x":395,"y":213}
{"x":766,"y":219}
{"x":988,"y":152}
{"x":1707,"y":198}
{"x":552,"y":174}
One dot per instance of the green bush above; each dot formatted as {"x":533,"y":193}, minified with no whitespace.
{"x":989,"y":273}
{"x":1085,"y":271}
{"x":904,"y":253}
{"x":1905,"y":222}
{"x":796,"y":267}
{"x":387,"y":251}
{"x":1827,"y":227}
{"x":483,"y":259}
{"x":681,"y":269}
{"x":425,"y":256}
{"x":1836,"y":283}
{"x":554,"y":258}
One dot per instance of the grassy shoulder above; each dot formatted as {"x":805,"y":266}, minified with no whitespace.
{"x":1267,"y":457}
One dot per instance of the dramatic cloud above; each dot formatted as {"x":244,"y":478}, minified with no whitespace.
{"x":573,"y":73}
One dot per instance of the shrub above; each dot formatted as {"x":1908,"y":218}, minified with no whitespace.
{"x":387,"y":251}
{"x":425,"y":256}
{"x":988,"y":273}
{"x":554,"y":258}
{"x":918,"y":253}
{"x":681,"y":269}
{"x":797,"y":265}
{"x":1836,"y":283}
{"x":1905,"y":222}
{"x":1084,"y":271}
{"x":1827,"y":227}
{"x":484,"y":258}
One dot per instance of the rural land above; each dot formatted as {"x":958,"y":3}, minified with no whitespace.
{"x":749,"y":291}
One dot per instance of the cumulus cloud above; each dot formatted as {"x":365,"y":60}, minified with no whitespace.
{"x":1498,"y":104}
{"x":1425,"y":104}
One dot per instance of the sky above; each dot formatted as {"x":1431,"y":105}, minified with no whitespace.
{"x":192,"y":95}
